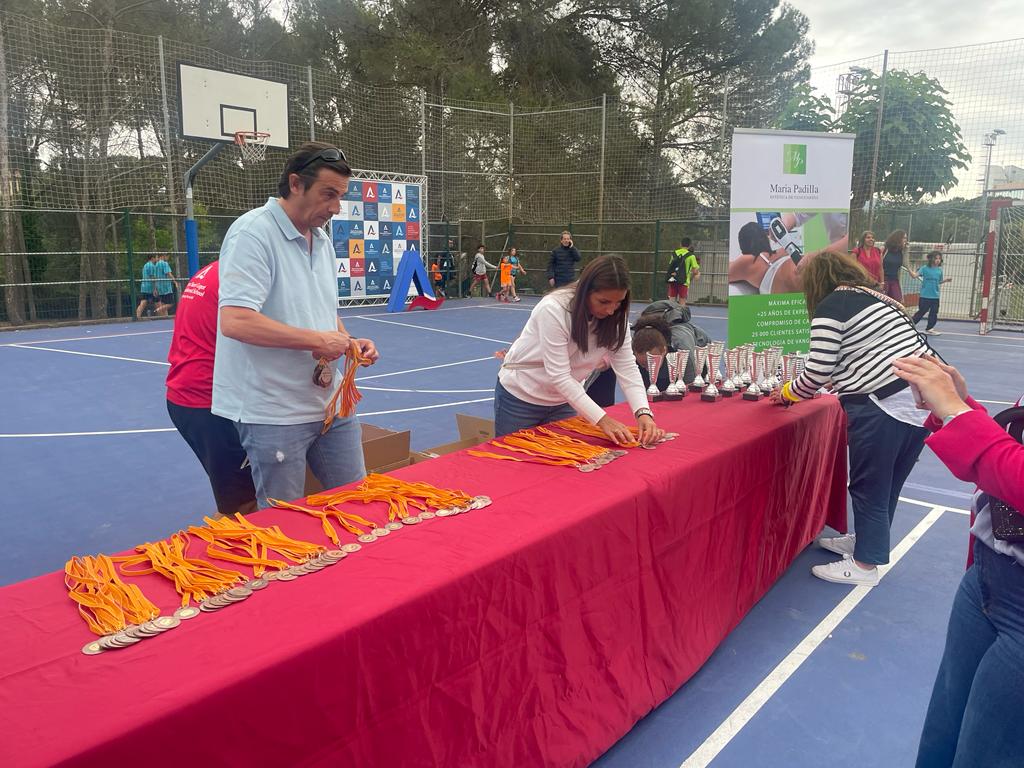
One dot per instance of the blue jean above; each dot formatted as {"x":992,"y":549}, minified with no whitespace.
{"x":974,"y":715}
{"x":512,"y":414}
{"x":883,"y":451}
{"x":279,"y":453}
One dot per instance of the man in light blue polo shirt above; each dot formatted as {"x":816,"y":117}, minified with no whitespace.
{"x":278,"y":314}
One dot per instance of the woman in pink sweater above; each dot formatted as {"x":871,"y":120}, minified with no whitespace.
{"x":974,"y":714}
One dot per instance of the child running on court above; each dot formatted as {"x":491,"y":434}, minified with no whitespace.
{"x":507,"y":281}
{"x":517,"y":267}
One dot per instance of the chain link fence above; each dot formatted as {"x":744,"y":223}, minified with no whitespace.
{"x":1008,"y":272}
{"x":89,"y":140}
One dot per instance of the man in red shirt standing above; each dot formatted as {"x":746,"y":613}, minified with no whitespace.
{"x":213,"y":439}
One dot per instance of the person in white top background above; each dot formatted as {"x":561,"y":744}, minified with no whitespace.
{"x":568,"y":334}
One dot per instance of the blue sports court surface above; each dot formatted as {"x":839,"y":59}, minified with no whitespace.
{"x":817,"y":674}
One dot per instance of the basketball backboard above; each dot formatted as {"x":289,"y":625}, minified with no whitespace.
{"x":213,"y":104}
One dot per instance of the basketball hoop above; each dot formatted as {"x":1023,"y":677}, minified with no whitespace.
{"x":252,"y":145}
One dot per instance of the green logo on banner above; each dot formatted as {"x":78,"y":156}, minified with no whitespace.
{"x":794,"y":158}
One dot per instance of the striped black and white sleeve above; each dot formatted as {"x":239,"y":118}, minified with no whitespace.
{"x":826,"y":340}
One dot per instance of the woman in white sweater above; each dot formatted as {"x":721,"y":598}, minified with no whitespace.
{"x":568,"y":334}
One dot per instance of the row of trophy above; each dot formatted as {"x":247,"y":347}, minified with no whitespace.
{"x":748,"y":372}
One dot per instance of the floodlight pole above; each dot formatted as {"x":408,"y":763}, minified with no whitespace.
{"x":191,"y":228}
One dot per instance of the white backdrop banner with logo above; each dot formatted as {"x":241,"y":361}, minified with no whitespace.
{"x":790,"y":201}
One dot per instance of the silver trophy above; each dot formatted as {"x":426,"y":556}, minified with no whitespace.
{"x":684,"y":360}
{"x":672,"y":360}
{"x":653,"y":369}
{"x":731,"y":363}
{"x":788,"y":368}
{"x":711,"y":393}
{"x":753,"y":392}
{"x":747,"y":354}
{"x":767,"y":371}
{"x":700,"y":358}
{"x":741,"y":366}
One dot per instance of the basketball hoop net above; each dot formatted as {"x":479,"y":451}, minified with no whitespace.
{"x":252,"y":145}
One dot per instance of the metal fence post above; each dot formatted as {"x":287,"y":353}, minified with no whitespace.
{"x":878,"y":138}
{"x":600,"y":178}
{"x":511,"y":155}
{"x":312,"y":119}
{"x":129,"y":258}
{"x":423,"y":141}
{"x":657,"y":250}
{"x":169,"y":150}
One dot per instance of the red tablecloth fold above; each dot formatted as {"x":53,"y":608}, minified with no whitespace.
{"x":532,"y":633}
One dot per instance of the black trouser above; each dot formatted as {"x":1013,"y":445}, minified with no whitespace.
{"x":602,"y":389}
{"x":215,"y":442}
{"x":931,"y":306}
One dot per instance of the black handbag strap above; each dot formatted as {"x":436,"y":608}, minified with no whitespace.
{"x":1012,"y":420}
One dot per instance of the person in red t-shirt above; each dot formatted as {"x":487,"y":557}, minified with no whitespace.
{"x":869,"y":256}
{"x":212,"y":438}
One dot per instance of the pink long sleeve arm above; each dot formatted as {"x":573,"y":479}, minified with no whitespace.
{"x":976,"y":450}
{"x":933,"y":423}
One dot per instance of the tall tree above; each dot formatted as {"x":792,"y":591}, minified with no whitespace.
{"x":675,"y":58}
{"x":920,"y":148}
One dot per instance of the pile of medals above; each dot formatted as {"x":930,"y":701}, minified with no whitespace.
{"x":122,"y":616}
{"x":543,"y":445}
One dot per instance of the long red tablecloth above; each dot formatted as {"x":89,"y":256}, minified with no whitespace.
{"x":534,"y":632}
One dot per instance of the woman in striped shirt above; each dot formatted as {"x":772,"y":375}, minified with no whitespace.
{"x":856,"y":333}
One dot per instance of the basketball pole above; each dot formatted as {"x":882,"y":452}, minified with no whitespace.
{"x":191,"y":228}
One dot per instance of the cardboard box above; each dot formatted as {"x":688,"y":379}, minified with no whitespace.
{"x":383,"y":450}
{"x":473,"y":430}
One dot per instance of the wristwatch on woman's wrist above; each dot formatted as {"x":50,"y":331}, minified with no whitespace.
{"x":950,"y":417}
{"x":643,"y":412}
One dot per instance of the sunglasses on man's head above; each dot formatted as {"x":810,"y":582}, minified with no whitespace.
{"x":329,"y":155}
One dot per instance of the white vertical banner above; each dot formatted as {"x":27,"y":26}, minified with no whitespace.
{"x":790,"y":200}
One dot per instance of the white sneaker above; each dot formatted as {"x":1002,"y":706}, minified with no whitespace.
{"x":933,"y":332}
{"x":846,"y":571}
{"x":841,"y":545}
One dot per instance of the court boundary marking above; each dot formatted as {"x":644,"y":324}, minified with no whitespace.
{"x":91,"y":354}
{"x":738,"y":719}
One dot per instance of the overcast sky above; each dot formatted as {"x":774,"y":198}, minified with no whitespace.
{"x":985,"y":82}
{"x":851,"y":29}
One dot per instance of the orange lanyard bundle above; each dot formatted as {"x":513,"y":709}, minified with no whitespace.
{"x":347,"y":396}
{"x":347,"y":520}
{"x":583,"y":427}
{"x":107,"y":604}
{"x":399,"y":495}
{"x":544,"y":446}
{"x":236,"y":540}
{"x":193,"y":579}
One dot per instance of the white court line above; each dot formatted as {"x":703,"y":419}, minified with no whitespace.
{"x":996,"y":402}
{"x":90,"y":434}
{"x":983,"y":336}
{"x":428,"y":391}
{"x":930,"y":505}
{"x":426,"y":407}
{"x":172,"y":429}
{"x":86,"y":338}
{"x":768,"y":687}
{"x":975,"y":341}
{"x":90,"y":354}
{"x":426,"y":368}
{"x":428,"y":328}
